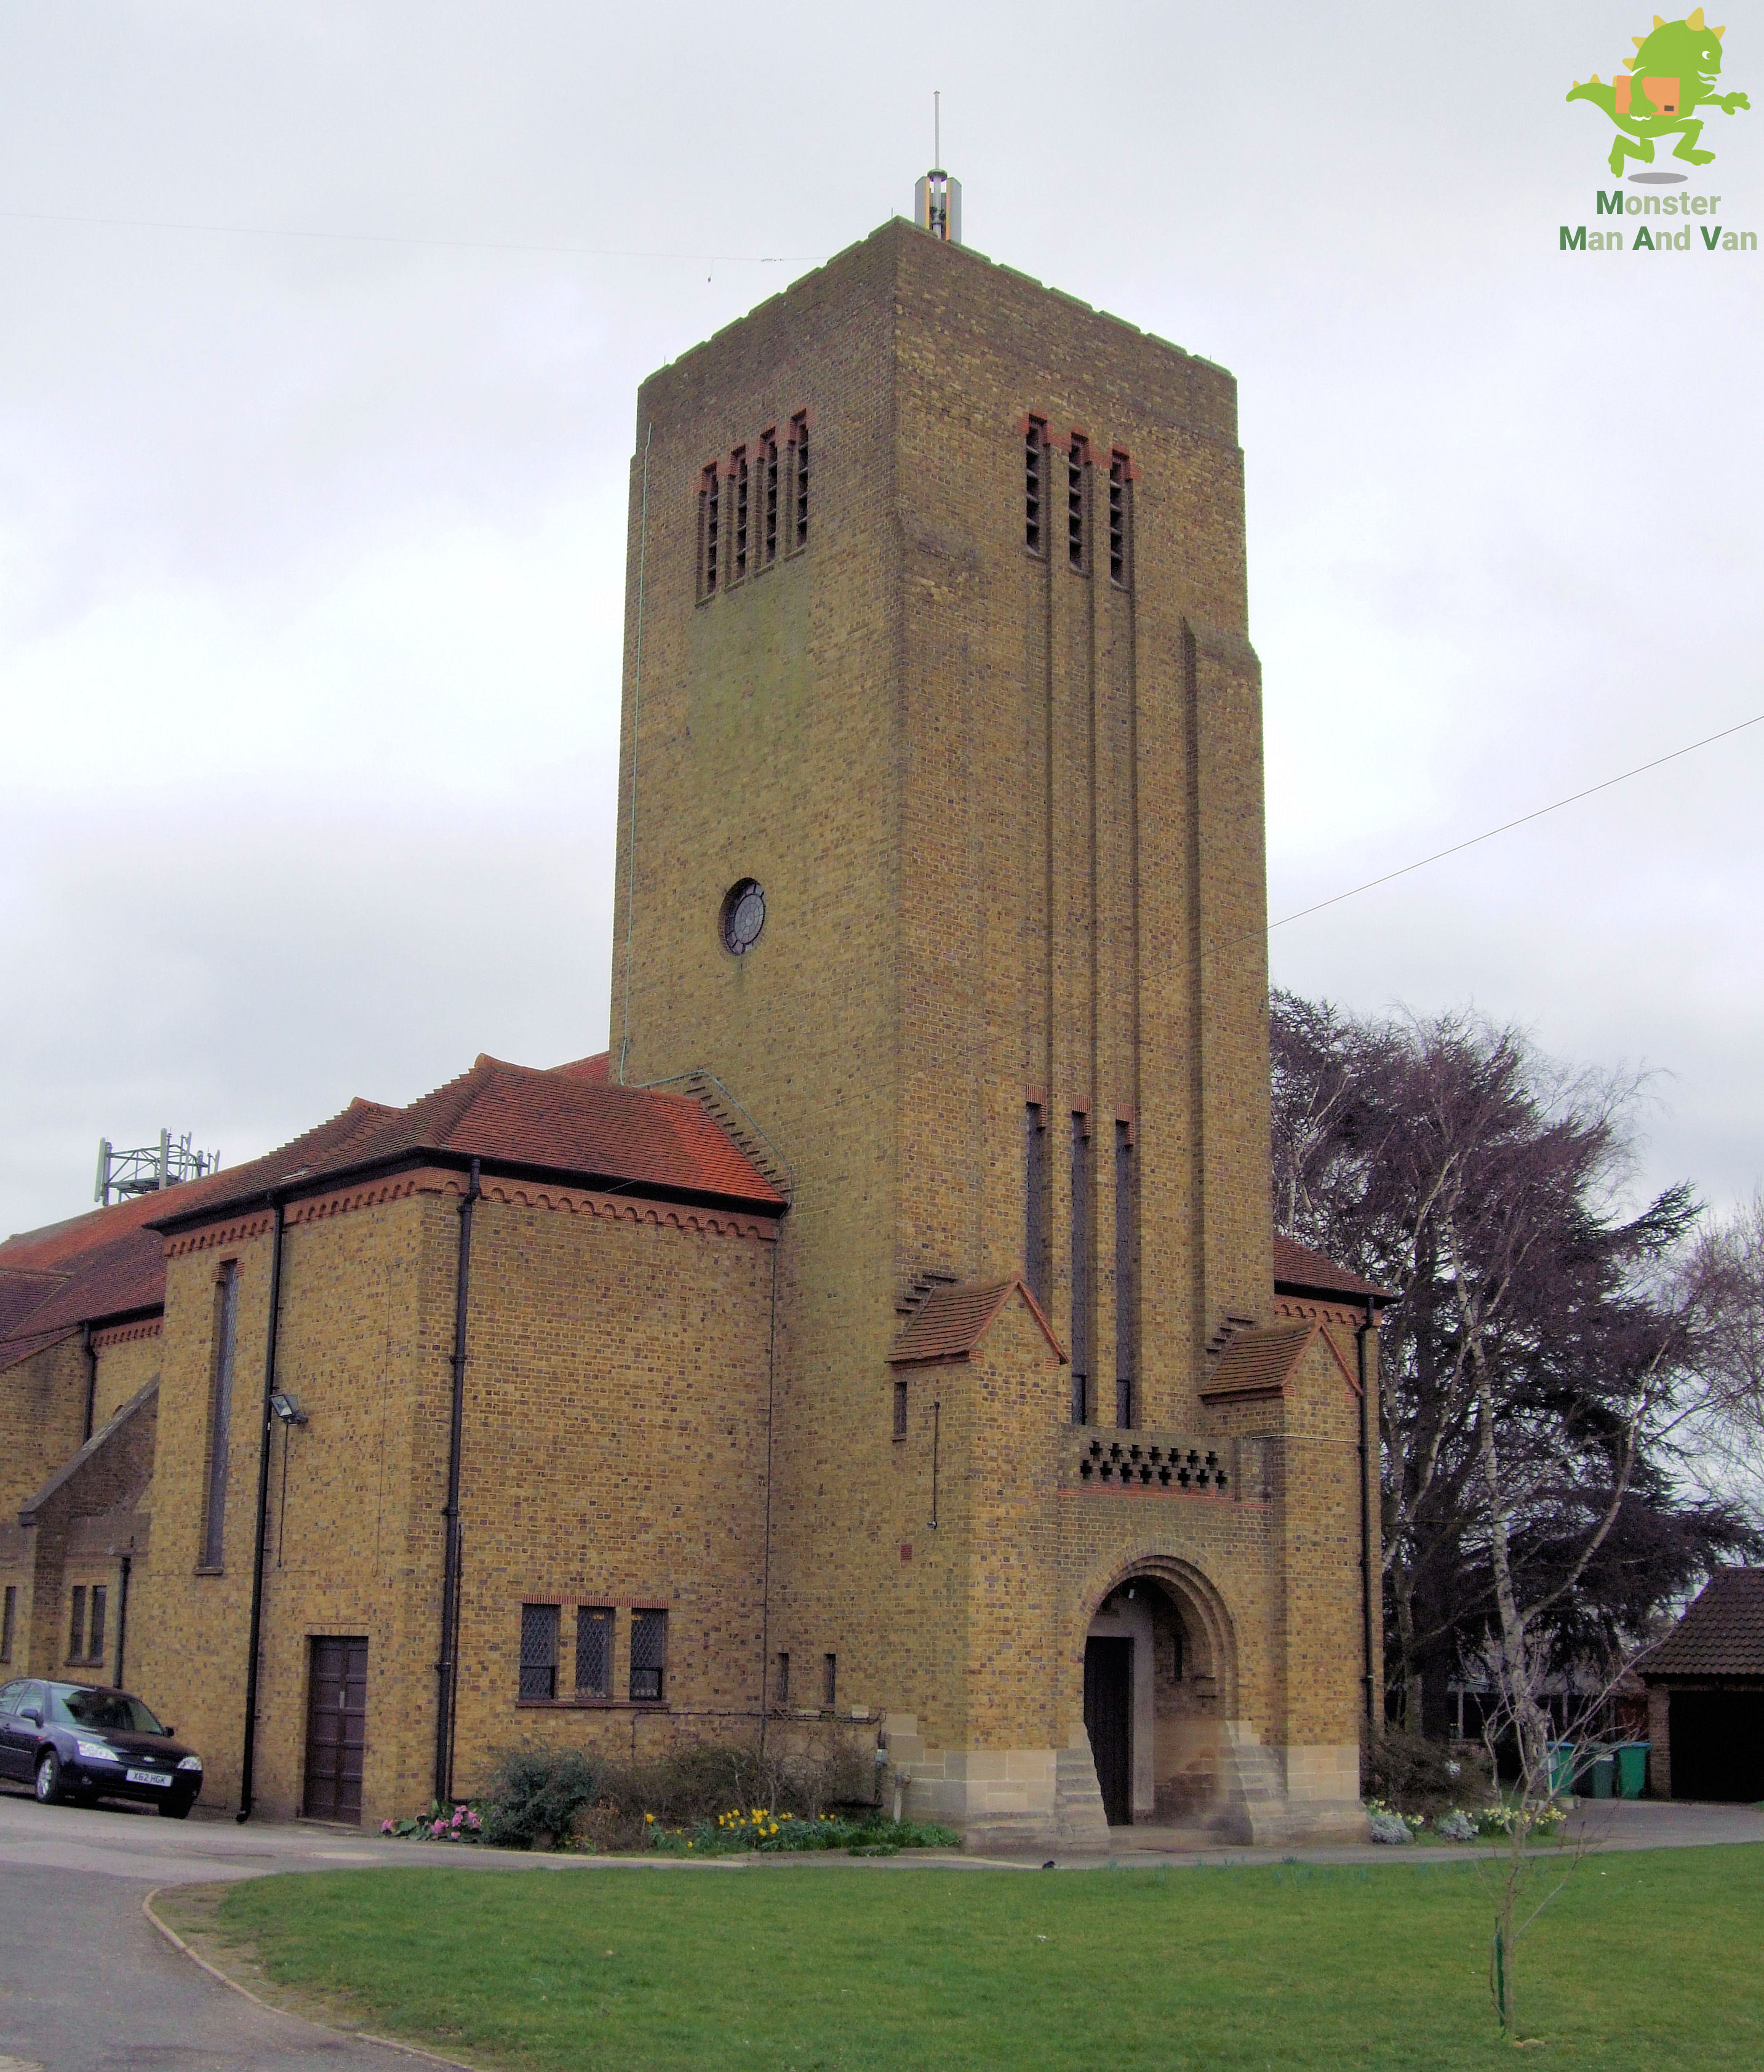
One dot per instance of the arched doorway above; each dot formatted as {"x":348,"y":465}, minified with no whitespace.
{"x":1158,"y":1687}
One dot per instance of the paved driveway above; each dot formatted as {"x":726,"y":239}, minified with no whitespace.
{"x":86,"y":1985}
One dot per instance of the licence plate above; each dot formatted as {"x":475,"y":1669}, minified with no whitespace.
{"x":148,"y":1777}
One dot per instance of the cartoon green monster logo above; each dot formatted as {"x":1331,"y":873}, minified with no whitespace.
{"x":1673,"y":73}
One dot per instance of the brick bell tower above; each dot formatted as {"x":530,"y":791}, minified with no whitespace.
{"x":941,"y":868}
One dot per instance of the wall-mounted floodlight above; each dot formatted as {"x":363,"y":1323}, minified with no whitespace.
{"x":287,"y":1407}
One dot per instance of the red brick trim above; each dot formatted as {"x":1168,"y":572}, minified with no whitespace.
{"x":320,"y":1208}
{"x":619,"y":1208}
{"x":123,"y":1334}
{"x":235,"y":1230}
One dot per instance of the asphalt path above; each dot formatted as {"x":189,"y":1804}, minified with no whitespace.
{"x":87,"y":1985}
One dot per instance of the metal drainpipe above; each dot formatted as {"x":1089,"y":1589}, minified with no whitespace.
{"x":92,"y":1379}
{"x":447,"y":1668}
{"x":122,"y":1616}
{"x":1365,"y":1518}
{"x":248,"y":1760}
{"x":765,"y":1586}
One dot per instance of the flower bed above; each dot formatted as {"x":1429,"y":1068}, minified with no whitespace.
{"x":464,"y":1823}
{"x":760,"y":1829}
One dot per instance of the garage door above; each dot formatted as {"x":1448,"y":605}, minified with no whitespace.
{"x":1718,"y":1744}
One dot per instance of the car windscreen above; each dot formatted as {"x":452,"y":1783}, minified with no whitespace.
{"x":112,"y":1712}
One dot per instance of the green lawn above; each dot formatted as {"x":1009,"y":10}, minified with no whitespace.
{"x":1648,"y":1961}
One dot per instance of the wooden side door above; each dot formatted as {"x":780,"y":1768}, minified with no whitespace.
{"x":1108,"y":1720}
{"x":336,"y":1728}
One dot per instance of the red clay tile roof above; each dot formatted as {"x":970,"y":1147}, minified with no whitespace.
{"x":1722,"y":1635}
{"x":515,"y":1118}
{"x":595,"y":1071}
{"x":953,"y":1320}
{"x":110,"y":1263}
{"x":1258,"y":1363}
{"x":1300,"y":1271}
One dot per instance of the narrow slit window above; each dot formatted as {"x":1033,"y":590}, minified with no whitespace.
{"x":1034,"y":482}
{"x":95,"y":1630}
{"x":900,"y":1410}
{"x":593,"y":1651}
{"x":648,"y":1657}
{"x":829,"y":1682}
{"x":1083,"y":1402}
{"x":768,"y":462}
{"x":737,"y":471}
{"x":1077,"y":468}
{"x":538,"y":1651}
{"x":220,"y":1416}
{"x":1035,"y":1201}
{"x":709,"y":529}
{"x":1121,"y":519}
{"x":76,"y":1624}
{"x":1124,"y":1276}
{"x":783,"y":1679}
{"x":7,"y":1615}
{"x":798,"y":472}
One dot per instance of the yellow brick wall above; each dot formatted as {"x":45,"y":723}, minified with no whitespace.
{"x":42,"y":1402}
{"x":128,"y":1360}
{"x":614,"y":1453}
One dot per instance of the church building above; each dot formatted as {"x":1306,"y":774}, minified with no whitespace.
{"x":887,"y":1335}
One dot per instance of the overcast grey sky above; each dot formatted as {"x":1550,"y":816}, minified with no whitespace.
{"x":311,"y":546}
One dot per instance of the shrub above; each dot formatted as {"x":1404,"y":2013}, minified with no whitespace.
{"x":1417,"y":1775}
{"x":1391,"y":1827}
{"x":1456,"y":1826}
{"x":736,"y":1831}
{"x":535,"y":1791}
{"x":694,"y":1784}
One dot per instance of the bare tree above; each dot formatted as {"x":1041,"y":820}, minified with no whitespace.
{"x":1544,"y":1348}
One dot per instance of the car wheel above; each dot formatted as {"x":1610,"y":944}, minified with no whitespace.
{"x":175,"y":1809}
{"x":50,"y":1788}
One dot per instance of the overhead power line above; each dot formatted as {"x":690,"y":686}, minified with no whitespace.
{"x":1507,"y":826}
{"x":394,"y":237}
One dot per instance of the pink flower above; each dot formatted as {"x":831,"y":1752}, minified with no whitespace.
{"x":385,"y":1827}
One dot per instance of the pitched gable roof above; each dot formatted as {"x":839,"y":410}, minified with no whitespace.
{"x":569,"y":1122}
{"x":1257,"y":1365}
{"x":1300,"y":1271}
{"x":951,"y":1322}
{"x":1722,"y":1635}
{"x":110,"y":1263}
{"x":563,"y":1124}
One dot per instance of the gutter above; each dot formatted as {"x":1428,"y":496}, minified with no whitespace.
{"x":305,"y":1185}
{"x":248,"y":1759}
{"x":91,"y":1352}
{"x":447,"y":1668}
{"x":122,"y":1617}
{"x":1360,"y":1337}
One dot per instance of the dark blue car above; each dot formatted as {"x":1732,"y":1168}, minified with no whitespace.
{"x":87,"y":1741}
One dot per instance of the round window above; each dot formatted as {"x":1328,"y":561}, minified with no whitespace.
{"x":743,"y":917}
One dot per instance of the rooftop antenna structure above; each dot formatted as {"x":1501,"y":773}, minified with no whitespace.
{"x":937,"y":198}
{"x":123,"y":1175}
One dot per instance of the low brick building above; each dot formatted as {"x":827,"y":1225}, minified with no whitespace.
{"x":891,"y":1328}
{"x":1705,"y":1695}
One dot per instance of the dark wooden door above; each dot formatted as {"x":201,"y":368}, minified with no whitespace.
{"x":1717,"y":1744}
{"x":1108,"y":1720}
{"x":336,"y":1729}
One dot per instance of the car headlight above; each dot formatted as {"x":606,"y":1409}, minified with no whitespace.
{"x":97,"y":1752}
{"x":191,"y":1762}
